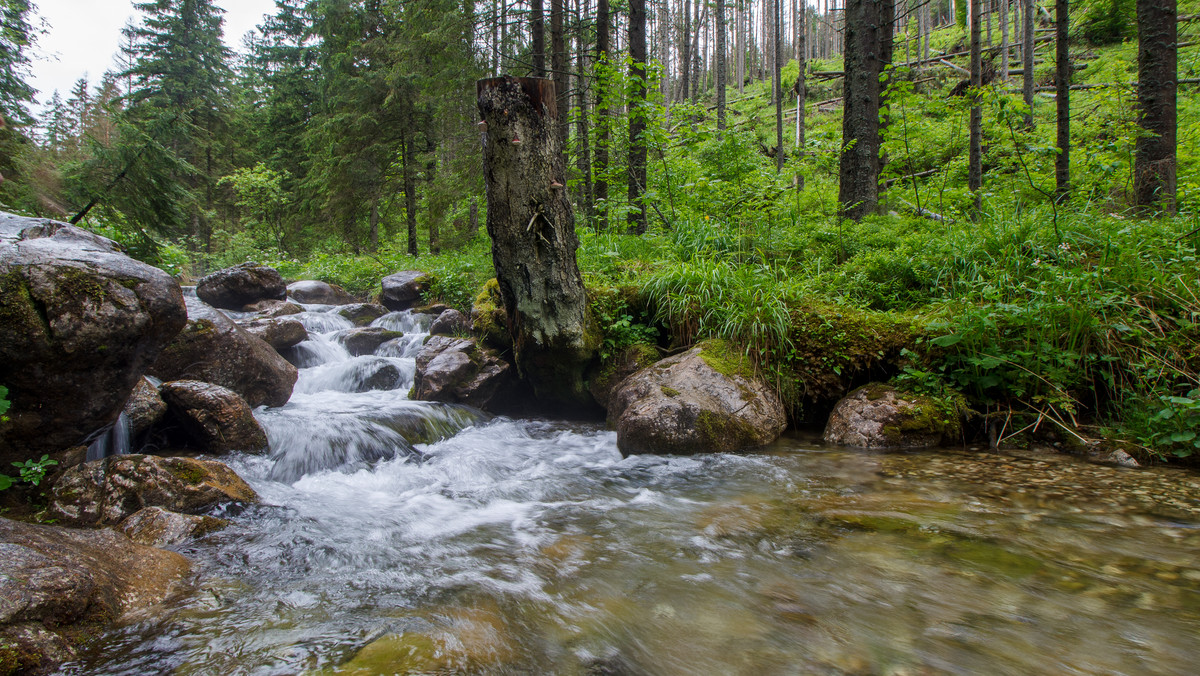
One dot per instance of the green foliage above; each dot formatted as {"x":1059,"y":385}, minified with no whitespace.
{"x":1174,"y":428}
{"x":5,"y":404}
{"x":1107,"y":21}
{"x":621,"y":325}
{"x":33,"y":471}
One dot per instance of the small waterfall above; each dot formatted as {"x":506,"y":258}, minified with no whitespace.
{"x":114,"y":440}
{"x":348,"y":412}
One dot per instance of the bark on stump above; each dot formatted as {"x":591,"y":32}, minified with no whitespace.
{"x":532,"y":227}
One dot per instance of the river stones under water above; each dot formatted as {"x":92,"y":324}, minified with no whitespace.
{"x":878,"y":416}
{"x":105,"y":492}
{"x":695,"y":402}
{"x":59,"y":586}
{"x":236,"y":287}
{"x":79,"y":323}
{"x":462,"y":640}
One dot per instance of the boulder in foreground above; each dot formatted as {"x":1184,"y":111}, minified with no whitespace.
{"x":705,"y":400}
{"x":460,"y":371}
{"x":79,"y":324}
{"x":878,"y":416}
{"x":60,"y":586}
{"x":217,"y":419}
{"x":241,"y":285}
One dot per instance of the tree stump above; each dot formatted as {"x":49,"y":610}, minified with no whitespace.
{"x":532,"y":227}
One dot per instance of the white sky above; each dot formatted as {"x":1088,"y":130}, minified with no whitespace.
{"x":82,"y":37}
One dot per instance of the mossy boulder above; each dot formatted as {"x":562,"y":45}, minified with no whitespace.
{"x":705,"y":400}
{"x":241,"y":285}
{"x":879,"y":416}
{"x":106,"y":492}
{"x":79,"y":324}
{"x":60,"y":586}
{"x":214,"y":349}
{"x":362,"y":314}
{"x":217,"y":420}
{"x":488,"y":320}
{"x":613,"y":371}
{"x":461,"y":371}
{"x":404,"y":290}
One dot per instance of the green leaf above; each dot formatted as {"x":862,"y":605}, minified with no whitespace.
{"x":1183,"y":437}
{"x":947,"y":341}
{"x":5,"y":481}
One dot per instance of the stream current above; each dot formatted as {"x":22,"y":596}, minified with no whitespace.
{"x":397,"y":536}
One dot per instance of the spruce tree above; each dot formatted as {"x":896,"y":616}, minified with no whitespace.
{"x":16,"y":37}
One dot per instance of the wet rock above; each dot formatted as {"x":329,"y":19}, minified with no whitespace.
{"x":106,"y":492}
{"x":403,"y":290}
{"x":613,"y":371}
{"x":449,"y":323}
{"x":467,"y":640}
{"x":59,"y":586}
{"x":157,"y":527}
{"x":79,"y":324}
{"x":362,"y":314}
{"x":213,"y":349}
{"x":236,"y":287}
{"x":878,"y":416}
{"x":1114,"y":456}
{"x":269,"y":309}
{"x":488,"y":319}
{"x":280,"y":333}
{"x":319,"y":293}
{"x":217,"y":419}
{"x":460,"y":371}
{"x":433,"y":309}
{"x":366,"y":340}
{"x":377,"y":374}
{"x":145,"y":407}
{"x":702,"y":401}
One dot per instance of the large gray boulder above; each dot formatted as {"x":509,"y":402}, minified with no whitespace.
{"x":705,"y":400}
{"x":365,"y":340}
{"x":59,"y":586}
{"x":362,"y":314}
{"x":450,"y":322}
{"x":880,"y":417}
{"x":106,"y":492}
{"x":79,"y":324}
{"x":236,"y":287}
{"x":460,"y":371}
{"x":214,"y":349}
{"x":144,"y":407}
{"x":216,"y":419}
{"x":403,"y":290}
{"x":312,"y":292}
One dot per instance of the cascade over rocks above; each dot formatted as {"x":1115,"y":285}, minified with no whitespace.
{"x":106,"y":492}
{"x":362,"y":314}
{"x":460,"y":371}
{"x":403,"y":290}
{"x":366,"y":340}
{"x":877,"y":416}
{"x":701,"y":401}
{"x":532,"y":226}
{"x":312,"y":292}
{"x":59,"y":587}
{"x":236,"y":287}
{"x":214,"y":349}
{"x":280,"y":332}
{"x":216,"y":419}
{"x":79,"y":324}
{"x":450,"y":322}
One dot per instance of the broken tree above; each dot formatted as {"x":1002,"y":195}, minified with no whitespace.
{"x":532,"y":227}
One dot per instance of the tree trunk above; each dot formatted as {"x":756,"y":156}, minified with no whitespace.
{"x":1062,"y":81}
{"x":601,"y":164}
{"x":868,"y":26}
{"x":1154,"y":162}
{"x":975,"y":169}
{"x":407,"y":160}
{"x":637,"y":116}
{"x":741,"y":46}
{"x":537,"y":31}
{"x":801,"y":89}
{"x":664,"y":50}
{"x":1004,"y":44}
{"x":561,"y":73}
{"x":1027,"y":76}
{"x":776,"y":67}
{"x":695,"y":63}
{"x":584,"y":160}
{"x":721,"y":65}
{"x":685,"y":52}
{"x":533,"y":240}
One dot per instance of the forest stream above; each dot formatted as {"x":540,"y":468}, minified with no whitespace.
{"x":398,"y":536}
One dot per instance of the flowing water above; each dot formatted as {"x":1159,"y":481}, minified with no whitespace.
{"x":407,"y":537}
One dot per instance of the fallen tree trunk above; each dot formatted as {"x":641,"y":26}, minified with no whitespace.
{"x":532,"y":227}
